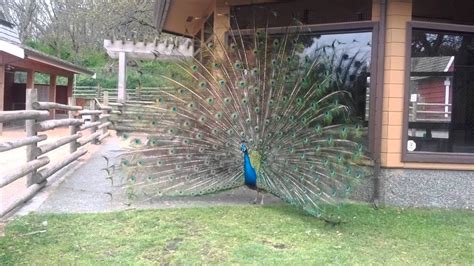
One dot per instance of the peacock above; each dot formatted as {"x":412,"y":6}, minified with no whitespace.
{"x":258,"y":110}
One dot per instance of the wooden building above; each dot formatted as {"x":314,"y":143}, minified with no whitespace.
{"x":17,"y":58}
{"x":424,"y":145}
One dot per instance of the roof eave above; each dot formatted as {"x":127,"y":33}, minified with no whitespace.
{"x":161,"y":12}
{"x":36,"y":56}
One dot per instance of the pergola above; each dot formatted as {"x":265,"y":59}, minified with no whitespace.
{"x":16,"y":57}
{"x":170,"y":49}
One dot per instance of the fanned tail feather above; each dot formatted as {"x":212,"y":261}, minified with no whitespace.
{"x":289,"y":105}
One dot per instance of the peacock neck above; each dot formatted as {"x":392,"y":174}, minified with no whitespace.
{"x":249,"y":172}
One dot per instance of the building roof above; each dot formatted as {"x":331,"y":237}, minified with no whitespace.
{"x":10,"y":44}
{"x":184,"y":17}
{"x":38,"y":56}
{"x":432,"y":64}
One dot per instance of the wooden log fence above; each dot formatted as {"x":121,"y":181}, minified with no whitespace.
{"x":36,"y":115}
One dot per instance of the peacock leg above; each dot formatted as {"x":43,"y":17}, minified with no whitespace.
{"x":256,"y":198}
{"x":261,"y":202}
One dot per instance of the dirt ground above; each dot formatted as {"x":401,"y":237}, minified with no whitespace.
{"x":14,"y":158}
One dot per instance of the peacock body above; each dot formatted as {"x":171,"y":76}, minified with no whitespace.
{"x":260,"y":111}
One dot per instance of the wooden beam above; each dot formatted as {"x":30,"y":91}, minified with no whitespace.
{"x":71,"y":101}
{"x":13,"y":144}
{"x":31,"y":97}
{"x":90,"y":125}
{"x":2,"y":92}
{"x":50,"y":170}
{"x":29,"y":65}
{"x":56,"y":144}
{"x":52,"y":93}
{"x":122,"y":78}
{"x":23,"y":170}
{"x":25,"y":196}
{"x":30,"y":79}
{"x":49,"y":106}
{"x":93,"y":137}
{"x":70,"y":84}
{"x":7,"y":116}
{"x":52,"y":124}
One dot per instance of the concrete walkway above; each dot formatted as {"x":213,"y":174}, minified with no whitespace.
{"x":88,"y":190}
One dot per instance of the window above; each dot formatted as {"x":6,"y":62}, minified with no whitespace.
{"x":440,"y":99}
{"x":347,"y":53}
{"x":454,"y":11}
{"x":283,"y":13}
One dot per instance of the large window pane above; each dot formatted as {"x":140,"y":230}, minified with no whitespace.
{"x":284,"y":13}
{"x":441,"y":98}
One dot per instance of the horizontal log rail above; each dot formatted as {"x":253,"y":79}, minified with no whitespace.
{"x":52,"y":124}
{"x":23,"y":170}
{"x":103,"y":106}
{"x":49,"y":171}
{"x":13,"y":144}
{"x":106,"y":124}
{"x":7,"y":116}
{"x":90,"y":125}
{"x":37,"y":169}
{"x":84,"y":140}
{"x":57,"y":106}
{"x":25,"y":196}
{"x":90,"y":112}
{"x":56,"y":144}
{"x":103,"y":136}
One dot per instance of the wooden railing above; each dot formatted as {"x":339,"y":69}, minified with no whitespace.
{"x":133,"y":94}
{"x":430,"y":112}
{"x":38,"y":167}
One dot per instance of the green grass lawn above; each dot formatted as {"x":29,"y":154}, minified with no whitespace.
{"x":242,"y":235}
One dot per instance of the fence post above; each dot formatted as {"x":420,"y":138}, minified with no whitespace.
{"x":72,"y":128}
{"x":31,"y":97}
{"x":98,"y":91}
{"x":93,"y":119}
{"x":105,"y":103}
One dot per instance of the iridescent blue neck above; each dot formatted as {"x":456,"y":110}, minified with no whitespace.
{"x":249,"y":173}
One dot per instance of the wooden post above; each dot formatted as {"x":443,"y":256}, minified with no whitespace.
{"x":70,"y":84}
{"x":122,"y":78}
{"x":31,"y":97}
{"x":30,"y":79}
{"x":72,"y":128}
{"x":105,"y":103}
{"x":52,"y":93}
{"x":2,"y":92}
{"x":98,"y":91}
{"x":93,"y":119}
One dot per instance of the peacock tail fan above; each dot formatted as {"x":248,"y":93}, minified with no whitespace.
{"x":290,"y":104}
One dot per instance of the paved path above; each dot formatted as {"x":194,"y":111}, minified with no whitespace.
{"x":88,"y":190}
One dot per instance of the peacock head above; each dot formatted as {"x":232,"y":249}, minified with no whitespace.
{"x":243,"y":147}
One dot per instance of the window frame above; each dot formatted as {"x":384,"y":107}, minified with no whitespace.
{"x":376,"y":68}
{"x":423,"y":156}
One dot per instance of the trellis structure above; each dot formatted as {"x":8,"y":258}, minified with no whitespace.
{"x":168,"y":49}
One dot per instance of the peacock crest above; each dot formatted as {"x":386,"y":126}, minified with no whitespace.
{"x":285,"y":99}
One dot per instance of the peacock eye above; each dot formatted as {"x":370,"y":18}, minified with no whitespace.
{"x":238,"y":65}
{"x":203,"y":84}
